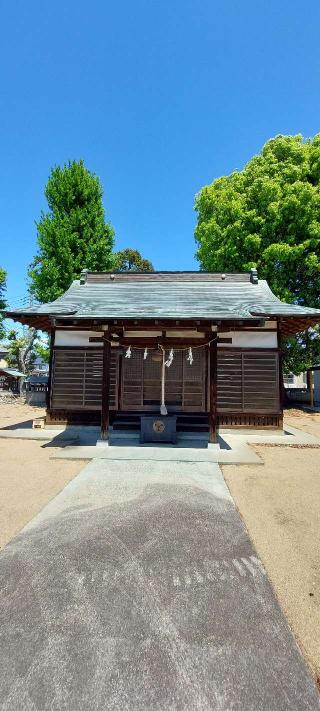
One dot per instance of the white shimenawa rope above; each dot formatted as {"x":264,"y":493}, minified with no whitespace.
{"x":163,"y":409}
{"x":142,"y":348}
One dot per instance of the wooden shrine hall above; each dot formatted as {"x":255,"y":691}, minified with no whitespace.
{"x":195,"y":350}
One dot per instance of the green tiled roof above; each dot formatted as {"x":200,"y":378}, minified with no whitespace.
{"x":171,"y":298}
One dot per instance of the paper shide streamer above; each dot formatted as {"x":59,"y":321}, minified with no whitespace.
{"x":128,"y":352}
{"x":170,"y":358}
{"x":190,"y":356}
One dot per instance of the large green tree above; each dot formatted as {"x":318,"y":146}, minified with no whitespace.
{"x":268,"y":216}
{"x":130,"y":260}
{"x":3,"y":285}
{"x":73,"y":234}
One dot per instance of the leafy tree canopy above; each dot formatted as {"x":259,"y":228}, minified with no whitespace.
{"x":3,"y":284}
{"x":73,"y":234}
{"x":268,"y":216}
{"x":130,"y":260}
{"x":42,"y":350}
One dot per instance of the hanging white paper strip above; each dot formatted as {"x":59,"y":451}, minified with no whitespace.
{"x":190,"y":356}
{"x":145,"y":355}
{"x":170,"y":358}
{"x":128,"y":352}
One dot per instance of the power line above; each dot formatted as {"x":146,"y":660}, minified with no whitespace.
{"x":22,"y":302}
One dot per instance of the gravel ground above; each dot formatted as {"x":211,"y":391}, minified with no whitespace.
{"x":279,"y":504}
{"x":28,"y":478}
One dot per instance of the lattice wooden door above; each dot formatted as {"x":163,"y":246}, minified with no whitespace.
{"x":132,"y":382}
{"x":184,"y":384}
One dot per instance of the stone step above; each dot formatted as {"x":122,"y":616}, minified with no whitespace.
{"x":181,"y":427}
{"x":184,"y":439}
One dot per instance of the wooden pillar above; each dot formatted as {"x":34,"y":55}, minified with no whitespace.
{"x":49,"y":386}
{"x":282,"y":392}
{"x":105,"y":386}
{"x":213,"y":391}
{"x":311,"y":388}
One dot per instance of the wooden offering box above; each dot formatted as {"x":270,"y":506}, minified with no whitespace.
{"x":158,"y":428}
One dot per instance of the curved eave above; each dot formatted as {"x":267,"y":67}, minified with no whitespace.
{"x":289,"y":325}
{"x":296,"y":324}
{"x":40,"y":321}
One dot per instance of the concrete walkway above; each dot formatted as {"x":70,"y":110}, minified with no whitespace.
{"x":137,"y":588}
{"x":234,"y":448}
{"x":79,"y":443}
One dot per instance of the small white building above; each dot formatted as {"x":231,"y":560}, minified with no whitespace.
{"x":292,"y":381}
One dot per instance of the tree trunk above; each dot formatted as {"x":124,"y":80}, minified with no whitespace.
{"x":24,"y":357}
{"x":25,"y":353}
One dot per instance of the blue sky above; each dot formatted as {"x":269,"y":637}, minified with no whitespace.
{"x":158,"y":98}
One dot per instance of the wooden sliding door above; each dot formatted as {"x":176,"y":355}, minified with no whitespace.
{"x":77,"y":379}
{"x":248,"y":381}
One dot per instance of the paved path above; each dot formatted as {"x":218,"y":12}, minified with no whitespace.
{"x":138,"y":589}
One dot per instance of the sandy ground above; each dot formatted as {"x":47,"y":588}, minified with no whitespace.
{"x":307,"y":421}
{"x":28,"y":478}
{"x":280,"y":507}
